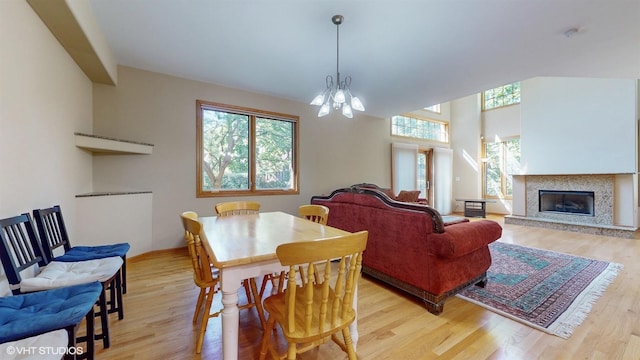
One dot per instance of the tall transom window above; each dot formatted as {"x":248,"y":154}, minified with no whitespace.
{"x":501,"y":160}
{"x":242,"y":151}
{"x":501,"y":96}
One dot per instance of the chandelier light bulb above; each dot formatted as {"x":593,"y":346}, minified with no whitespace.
{"x":346,"y":111}
{"x":324,"y":109}
{"x":318,"y":100}
{"x":339,"y":96}
{"x":356,"y":104}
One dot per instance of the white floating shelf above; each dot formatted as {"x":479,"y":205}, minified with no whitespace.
{"x":101,"y":144}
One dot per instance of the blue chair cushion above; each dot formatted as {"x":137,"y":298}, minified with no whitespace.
{"x":26,"y":315}
{"x":82,"y":253}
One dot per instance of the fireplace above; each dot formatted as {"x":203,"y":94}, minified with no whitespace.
{"x":602,"y":217}
{"x":568,"y":202}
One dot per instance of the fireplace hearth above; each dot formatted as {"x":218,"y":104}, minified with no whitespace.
{"x":569,"y":202}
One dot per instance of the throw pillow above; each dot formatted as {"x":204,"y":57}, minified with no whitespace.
{"x":408,"y":195}
{"x":389,"y":193}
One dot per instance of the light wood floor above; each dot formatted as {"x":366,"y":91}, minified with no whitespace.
{"x":161,"y":298}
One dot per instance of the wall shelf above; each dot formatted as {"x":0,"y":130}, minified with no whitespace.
{"x":106,"y":145}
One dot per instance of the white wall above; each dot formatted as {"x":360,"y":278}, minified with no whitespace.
{"x":578,"y":126}
{"x":116,"y":219}
{"x":501,"y":123}
{"x":44,"y":99}
{"x":465,"y":130}
{"x":159,"y":109}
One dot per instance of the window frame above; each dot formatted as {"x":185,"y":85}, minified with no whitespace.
{"x":483,"y":97}
{"x":503,"y":169}
{"x":252,"y":114}
{"x":425,"y":119}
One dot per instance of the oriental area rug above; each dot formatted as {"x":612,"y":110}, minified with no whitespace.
{"x":550,"y":291}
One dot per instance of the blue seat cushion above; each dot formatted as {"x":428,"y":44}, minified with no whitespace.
{"x":82,"y":253}
{"x":26,"y":315}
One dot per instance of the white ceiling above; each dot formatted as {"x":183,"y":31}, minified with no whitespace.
{"x":402,"y":55}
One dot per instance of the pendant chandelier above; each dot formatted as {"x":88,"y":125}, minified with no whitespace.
{"x":337,"y":94}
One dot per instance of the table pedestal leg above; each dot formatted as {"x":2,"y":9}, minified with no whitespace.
{"x":230,"y":323}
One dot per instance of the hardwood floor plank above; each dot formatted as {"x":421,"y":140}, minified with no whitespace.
{"x":632,"y":350}
{"x":161,"y":298}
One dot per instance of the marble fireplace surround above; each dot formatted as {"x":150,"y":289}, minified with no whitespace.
{"x":601,"y":223}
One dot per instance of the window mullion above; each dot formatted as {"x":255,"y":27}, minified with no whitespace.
{"x":252,"y":153}
{"x":503,"y":168}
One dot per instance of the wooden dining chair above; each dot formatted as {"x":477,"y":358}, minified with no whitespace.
{"x":237,"y":208}
{"x":312,"y":313}
{"x":207,"y":277}
{"x":315,"y":213}
{"x":27,"y":269}
{"x":232,"y":208}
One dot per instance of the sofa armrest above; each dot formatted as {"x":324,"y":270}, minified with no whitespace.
{"x":463,"y":238}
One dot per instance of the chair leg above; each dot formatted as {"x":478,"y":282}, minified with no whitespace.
{"x":266,"y":337}
{"x":201,"y":296}
{"x":257,"y":301}
{"x":263,"y":285}
{"x":115,"y":295}
{"x":348,"y":343}
{"x":124,"y":274}
{"x":90,"y":350}
{"x":104,"y":318}
{"x":205,"y":321}
{"x":291,"y":351}
{"x":119,"y":290}
{"x":247,"y":289}
{"x":89,"y":338}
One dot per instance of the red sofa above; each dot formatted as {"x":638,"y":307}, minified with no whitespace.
{"x":410,"y":246}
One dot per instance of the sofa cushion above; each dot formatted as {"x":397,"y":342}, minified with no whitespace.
{"x":463,"y":238}
{"x":389,"y":193}
{"x":83,"y":253}
{"x":36,"y":313}
{"x":57,"y":274}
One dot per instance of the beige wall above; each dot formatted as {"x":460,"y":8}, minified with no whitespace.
{"x":161,"y":110}
{"x":44,"y":99}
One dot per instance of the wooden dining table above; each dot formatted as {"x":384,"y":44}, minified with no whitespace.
{"x":244,"y":247}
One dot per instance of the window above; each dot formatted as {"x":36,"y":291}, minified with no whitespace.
{"x":243,"y":151}
{"x":501,"y":160}
{"x":420,"y":128}
{"x":501,"y":96}
{"x":434,"y":108}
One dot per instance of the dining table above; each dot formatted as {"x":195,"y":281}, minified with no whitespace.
{"x":244,"y":246}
